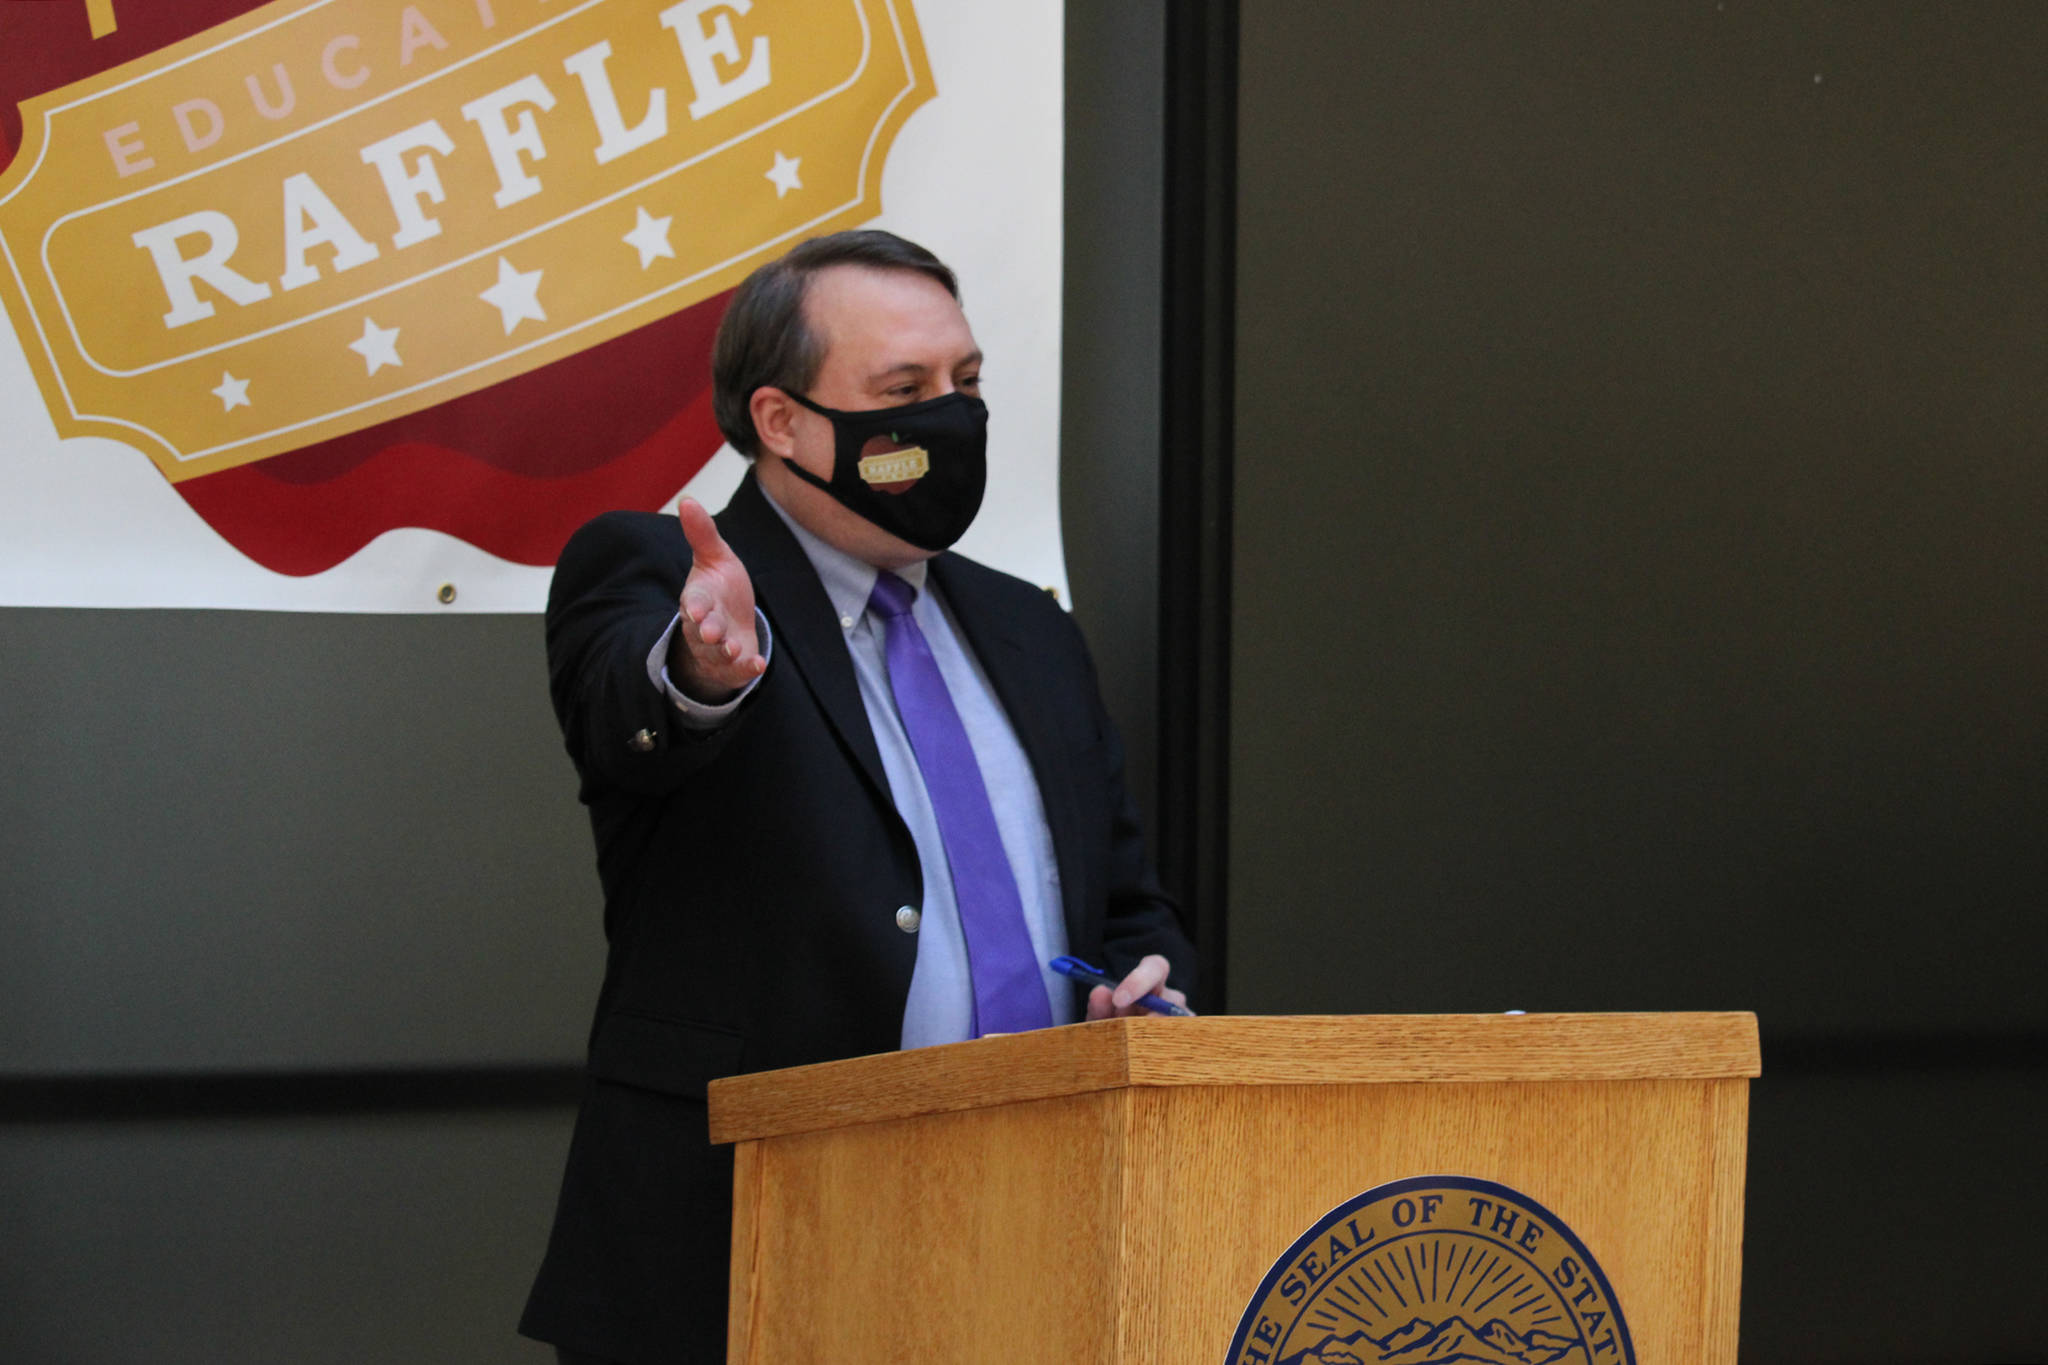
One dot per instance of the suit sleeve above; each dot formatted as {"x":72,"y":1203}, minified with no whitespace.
{"x":614,"y":592}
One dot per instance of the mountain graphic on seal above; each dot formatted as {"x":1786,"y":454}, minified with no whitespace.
{"x":1422,"y":1342}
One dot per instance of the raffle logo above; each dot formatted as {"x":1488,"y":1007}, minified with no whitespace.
{"x":1435,"y":1269}
{"x":318,"y":217}
{"x":896,"y":466}
{"x":323,"y":215}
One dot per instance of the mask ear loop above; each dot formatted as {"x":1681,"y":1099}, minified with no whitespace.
{"x":831,"y":415}
{"x":806,"y":475}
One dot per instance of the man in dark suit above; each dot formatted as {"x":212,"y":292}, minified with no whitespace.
{"x":850,"y":793}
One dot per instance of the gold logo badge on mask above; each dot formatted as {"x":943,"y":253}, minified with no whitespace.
{"x":896,"y":466}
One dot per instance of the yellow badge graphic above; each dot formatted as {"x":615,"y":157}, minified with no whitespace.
{"x":1435,"y":1269}
{"x":897,"y":466}
{"x":329,"y":213}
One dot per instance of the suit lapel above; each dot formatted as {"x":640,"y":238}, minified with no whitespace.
{"x":806,"y":630}
{"x":1015,"y":672}
{"x":808,"y":639}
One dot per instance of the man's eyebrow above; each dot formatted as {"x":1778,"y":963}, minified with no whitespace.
{"x":913,"y":367}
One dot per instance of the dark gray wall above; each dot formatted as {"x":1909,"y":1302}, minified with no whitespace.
{"x":1655,"y":399}
{"x":1640,"y":580}
{"x":321,"y":1240}
{"x":281,"y":846}
{"x":242,"y":840}
{"x":1109,"y":380}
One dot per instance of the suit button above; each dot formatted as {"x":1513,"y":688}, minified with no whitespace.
{"x":643,"y":741}
{"x":907,"y":918}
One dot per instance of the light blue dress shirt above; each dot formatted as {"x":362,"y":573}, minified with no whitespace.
{"x":941,"y":1004}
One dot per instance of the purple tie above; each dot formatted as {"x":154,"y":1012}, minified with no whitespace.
{"x":1009,"y":994}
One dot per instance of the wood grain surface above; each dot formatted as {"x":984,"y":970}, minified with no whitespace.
{"x":1098,"y":1194}
{"x":1134,"y":1225}
{"x":1222,"y":1180}
{"x":1233,"y":1050}
{"x":982,"y":1234}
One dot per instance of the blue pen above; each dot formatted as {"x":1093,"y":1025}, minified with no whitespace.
{"x":1081,"y":971}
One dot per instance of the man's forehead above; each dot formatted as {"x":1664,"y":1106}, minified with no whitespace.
{"x":865,"y":308}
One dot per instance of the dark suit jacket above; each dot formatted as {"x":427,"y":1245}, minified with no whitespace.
{"x":752,"y":876}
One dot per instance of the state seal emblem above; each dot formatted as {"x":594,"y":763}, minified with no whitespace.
{"x":1437,"y":1269}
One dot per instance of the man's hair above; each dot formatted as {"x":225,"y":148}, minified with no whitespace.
{"x":765,"y":339}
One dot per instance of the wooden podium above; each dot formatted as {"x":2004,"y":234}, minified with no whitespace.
{"x":1120,"y":1192}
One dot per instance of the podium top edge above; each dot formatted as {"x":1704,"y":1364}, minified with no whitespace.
{"x":1235,"y":1050}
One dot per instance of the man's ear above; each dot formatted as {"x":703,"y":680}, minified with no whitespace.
{"x":774,"y":414}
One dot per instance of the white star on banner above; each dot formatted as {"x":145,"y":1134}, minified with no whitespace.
{"x":649,"y":237}
{"x":233,"y":393}
{"x":516,"y":296}
{"x":783,"y":173}
{"x":378,"y":346}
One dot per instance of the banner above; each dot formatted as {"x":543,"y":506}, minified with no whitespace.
{"x":363,"y":306}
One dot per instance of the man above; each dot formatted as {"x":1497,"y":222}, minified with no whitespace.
{"x":850,"y":793}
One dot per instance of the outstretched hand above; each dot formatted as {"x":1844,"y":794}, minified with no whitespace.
{"x":715,"y":651}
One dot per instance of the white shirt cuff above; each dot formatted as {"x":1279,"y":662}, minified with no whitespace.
{"x":699,"y":715}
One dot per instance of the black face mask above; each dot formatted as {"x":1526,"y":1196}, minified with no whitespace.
{"x":946,"y":452}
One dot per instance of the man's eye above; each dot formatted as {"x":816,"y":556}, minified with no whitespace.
{"x":972,"y":381}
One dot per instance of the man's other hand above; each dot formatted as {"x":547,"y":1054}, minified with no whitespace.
{"x":715,"y":651}
{"x":1147,"y":978}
